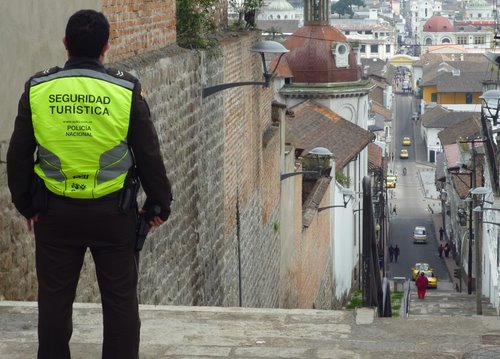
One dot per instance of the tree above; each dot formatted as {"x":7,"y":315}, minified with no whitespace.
{"x":344,"y":7}
{"x":246,"y":10}
{"x":274,"y":33}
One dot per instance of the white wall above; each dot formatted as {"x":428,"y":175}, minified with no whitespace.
{"x":30,"y":42}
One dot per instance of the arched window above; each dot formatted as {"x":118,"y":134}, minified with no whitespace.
{"x":428,"y":41}
{"x":445,"y":40}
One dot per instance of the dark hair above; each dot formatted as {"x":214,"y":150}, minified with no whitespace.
{"x":87,"y":32}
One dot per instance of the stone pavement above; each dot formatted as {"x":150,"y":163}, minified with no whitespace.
{"x":237,"y":333}
{"x":438,"y":327}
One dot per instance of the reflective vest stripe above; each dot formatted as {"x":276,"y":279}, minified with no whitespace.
{"x":85,"y":73}
{"x":114,"y":162}
{"x":50,"y":164}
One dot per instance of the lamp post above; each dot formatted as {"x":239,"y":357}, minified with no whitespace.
{"x":478,"y":192}
{"x":459,"y":170}
{"x":263,"y":48}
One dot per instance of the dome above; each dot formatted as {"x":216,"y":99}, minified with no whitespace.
{"x":438,"y":24}
{"x":311,"y":58}
{"x":278,"y":5}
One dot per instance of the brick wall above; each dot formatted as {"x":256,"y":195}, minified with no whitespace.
{"x":221,"y":154}
{"x":139,"y":26}
{"x":315,"y":261}
{"x":226,"y":193}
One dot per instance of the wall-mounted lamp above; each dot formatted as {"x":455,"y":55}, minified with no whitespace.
{"x":263,"y":48}
{"x":480,"y":191}
{"x":347,"y":193}
{"x":491,"y":103}
{"x":291,"y":174}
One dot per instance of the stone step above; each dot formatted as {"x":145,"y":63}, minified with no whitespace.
{"x":449,"y":304}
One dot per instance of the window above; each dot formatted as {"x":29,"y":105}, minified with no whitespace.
{"x":434,"y":97}
{"x":462,"y":39}
{"x":374,"y":49}
{"x":468,"y":98}
{"x":362,"y":48}
{"x":479,"y":40}
{"x":387,"y":48}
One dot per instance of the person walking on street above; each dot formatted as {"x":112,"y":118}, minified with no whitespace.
{"x":441,"y":233}
{"x":421,"y":284}
{"x":447,"y":250}
{"x":396,"y":253}
{"x":391,"y":253}
{"x":84,"y":122}
{"x":440,"y":250}
{"x":394,"y":211}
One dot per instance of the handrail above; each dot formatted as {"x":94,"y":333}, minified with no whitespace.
{"x":406,"y":300}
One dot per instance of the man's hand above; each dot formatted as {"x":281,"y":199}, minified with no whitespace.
{"x":31,"y":221}
{"x":156,"y":222}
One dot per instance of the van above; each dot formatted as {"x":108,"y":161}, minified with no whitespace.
{"x":419,"y":235}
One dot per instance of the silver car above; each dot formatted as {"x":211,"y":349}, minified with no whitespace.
{"x":419,"y":235}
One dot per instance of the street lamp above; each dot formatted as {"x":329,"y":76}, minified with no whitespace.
{"x":263,"y":48}
{"x":491,"y":103}
{"x":478,"y":192}
{"x":347,"y":193}
{"x":459,"y":170}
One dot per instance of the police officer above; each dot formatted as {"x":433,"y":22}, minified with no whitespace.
{"x":94,"y":140}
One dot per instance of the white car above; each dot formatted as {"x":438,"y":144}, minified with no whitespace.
{"x":419,"y":235}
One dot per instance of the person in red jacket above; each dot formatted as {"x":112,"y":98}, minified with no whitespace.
{"x":421,"y":284}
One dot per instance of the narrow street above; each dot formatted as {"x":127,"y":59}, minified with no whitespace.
{"x":417,"y":203}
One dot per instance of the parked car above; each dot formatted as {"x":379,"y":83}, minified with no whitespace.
{"x":419,"y":267}
{"x":390,"y":181}
{"x":406,"y":141}
{"x":420,"y":234}
{"x":403,"y":154}
{"x":431,"y":277}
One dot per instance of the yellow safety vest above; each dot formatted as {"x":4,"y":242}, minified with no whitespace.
{"x":81,"y":119}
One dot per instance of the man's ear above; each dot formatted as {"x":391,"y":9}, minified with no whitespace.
{"x":65,"y":42}
{"x":104,"y":50}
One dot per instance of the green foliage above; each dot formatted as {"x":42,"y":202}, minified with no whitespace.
{"x":194,"y":23}
{"x":355,"y":301}
{"x":274,"y":33}
{"x":342,"y":178}
{"x":396,"y":300}
{"x":244,"y":7}
{"x":344,"y":7}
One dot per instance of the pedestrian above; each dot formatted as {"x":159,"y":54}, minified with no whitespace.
{"x":396,"y":253}
{"x":441,"y":233}
{"x":421,"y":284}
{"x":447,"y":250}
{"x":394,"y":212}
{"x":84,"y":121}
{"x":440,"y":250}
{"x":391,"y":253}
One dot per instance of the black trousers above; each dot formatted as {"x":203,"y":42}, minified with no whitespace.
{"x":62,"y":235}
